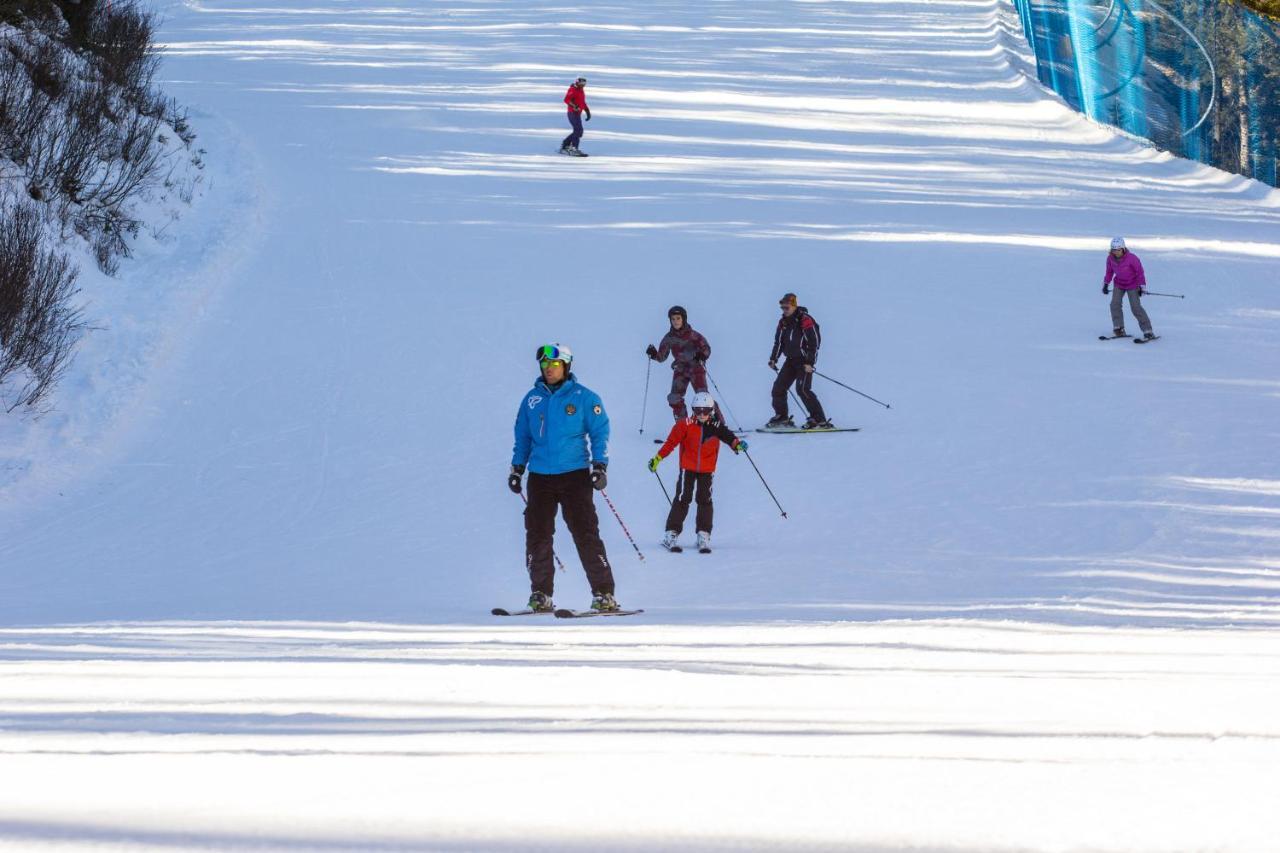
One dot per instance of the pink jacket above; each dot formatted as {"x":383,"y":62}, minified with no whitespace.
{"x":1127,"y":272}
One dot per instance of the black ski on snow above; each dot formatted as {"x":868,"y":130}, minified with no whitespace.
{"x":498,"y":611}
{"x":1146,"y":340}
{"x":583,"y":614}
{"x":791,"y":430}
{"x":1112,"y":337}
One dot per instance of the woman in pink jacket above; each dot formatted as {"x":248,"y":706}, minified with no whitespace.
{"x":1124,"y":268}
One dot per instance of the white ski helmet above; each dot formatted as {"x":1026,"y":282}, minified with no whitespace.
{"x":1117,"y":243}
{"x":551,"y":352}
{"x":703,"y":400}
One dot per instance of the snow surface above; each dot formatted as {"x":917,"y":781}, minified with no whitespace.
{"x":248,"y":557}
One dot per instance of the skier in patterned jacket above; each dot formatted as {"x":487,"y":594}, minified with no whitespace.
{"x":699,"y":440}
{"x":689,"y":352}
{"x":562,"y":435}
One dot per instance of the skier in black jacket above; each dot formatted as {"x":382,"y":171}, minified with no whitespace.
{"x":798,"y":337}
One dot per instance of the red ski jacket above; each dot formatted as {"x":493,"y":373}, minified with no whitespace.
{"x":576,"y":98}
{"x":699,"y":445}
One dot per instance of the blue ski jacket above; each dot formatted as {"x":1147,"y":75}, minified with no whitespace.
{"x":553,"y":427}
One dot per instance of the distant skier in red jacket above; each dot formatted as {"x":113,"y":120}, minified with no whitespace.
{"x":576,"y":100}
{"x":699,"y":439}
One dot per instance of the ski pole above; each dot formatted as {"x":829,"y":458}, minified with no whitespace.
{"x":645,"y":406}
{"x":664,"y":487}
{"x":854,"y":390}
{"x":622,"y":525}
{"x":766,"y":485}
{"x":720,"y":398}
{"x":553,"y":553}
{"x":799,"y":405}
{"x":1172,"y":295}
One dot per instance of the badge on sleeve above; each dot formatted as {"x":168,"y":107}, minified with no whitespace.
{"x":597,"y":409}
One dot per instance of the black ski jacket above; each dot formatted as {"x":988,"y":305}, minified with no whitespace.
{"x":797,"y":337}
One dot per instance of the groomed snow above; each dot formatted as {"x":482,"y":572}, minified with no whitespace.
{"x":249,"y":556}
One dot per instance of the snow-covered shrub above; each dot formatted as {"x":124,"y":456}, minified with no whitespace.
{"x":38,"y":325}
{"x":85,"y":138}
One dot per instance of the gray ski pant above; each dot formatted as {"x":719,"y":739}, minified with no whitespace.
{"x":1135,"y":305}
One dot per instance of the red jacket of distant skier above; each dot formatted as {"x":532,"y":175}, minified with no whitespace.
{"x":576,"y":98}
{"x":699,"y":444}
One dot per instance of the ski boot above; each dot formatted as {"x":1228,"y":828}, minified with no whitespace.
{"x":603,"y":602}
{"x":1118,"y":333}
{"x":1147,"y":336}
{"x":780,"y":421}
{"x":669,"y":542}
{"x":813,"y":423}
{"x":704,"y":542}
{"x":540,"y":602}
{"x":574,"y":152}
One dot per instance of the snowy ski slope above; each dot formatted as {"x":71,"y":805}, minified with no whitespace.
{"x":249,"y":558}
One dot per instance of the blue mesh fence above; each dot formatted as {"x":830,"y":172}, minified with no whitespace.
{"x":1200,"y":78}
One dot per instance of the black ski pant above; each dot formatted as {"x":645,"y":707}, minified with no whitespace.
{"x":793,"y":371}
{"x":689,"y":482}
{"x":571,"y":493}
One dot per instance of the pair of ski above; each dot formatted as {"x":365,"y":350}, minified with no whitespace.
{"x":1135,"y":340}
{"x":793,"y":430}
{"x":564,"y":613}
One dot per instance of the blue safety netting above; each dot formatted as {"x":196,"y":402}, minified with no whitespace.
{"x":1200,"y":78}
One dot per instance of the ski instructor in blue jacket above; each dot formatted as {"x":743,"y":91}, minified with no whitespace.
{"x":562,"y":436}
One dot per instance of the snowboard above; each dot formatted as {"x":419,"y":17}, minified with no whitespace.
{"x":585,"y":614}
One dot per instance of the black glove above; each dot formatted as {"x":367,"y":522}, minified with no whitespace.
{"x":1105,"y":290}
{"x":1142,"y":291}
{"x":700,"y":361}
{"x":598,"y":478}
{"x":588,"y":114}
{"x":773,"y":365}
{"x":652,"y":352}
{"x":513,"y":481}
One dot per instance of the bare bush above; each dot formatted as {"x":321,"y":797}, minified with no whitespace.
{"x":122,"y":38}
{"x":38,"y":324}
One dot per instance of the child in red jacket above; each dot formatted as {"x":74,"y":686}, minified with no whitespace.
{"x":699,"y":438}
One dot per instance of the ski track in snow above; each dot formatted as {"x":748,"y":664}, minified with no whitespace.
{"x":1033,"y":606}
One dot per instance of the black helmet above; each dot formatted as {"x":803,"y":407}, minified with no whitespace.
{"x":676,"y":309}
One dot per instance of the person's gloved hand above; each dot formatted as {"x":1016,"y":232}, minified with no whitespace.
{"x":1105,"y":290}
{"x":587,"y":113}
{"x":1142,"y":291}
{"x":808,"y":368}
{"x":513,"y":481}
{"x":598,"y":478}
{"x":652,"y":352}
{"x":773,"y":365}
{"x":740,"y":446}
{"x":654,"y":463}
